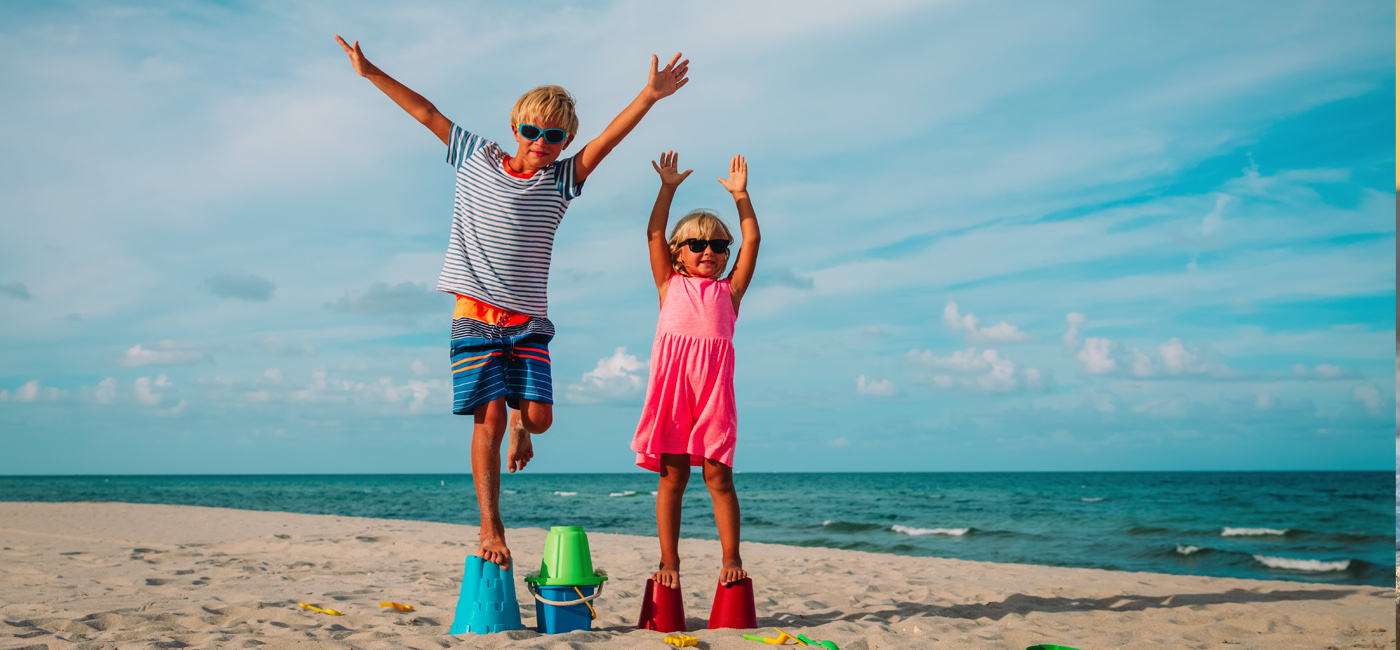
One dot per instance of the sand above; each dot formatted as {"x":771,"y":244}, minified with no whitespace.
{"x":111,"y":575}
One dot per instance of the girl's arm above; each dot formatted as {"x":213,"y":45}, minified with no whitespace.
{"x":657,"y":243}
{"x":420,"y":108}
{"x":738,"y":185}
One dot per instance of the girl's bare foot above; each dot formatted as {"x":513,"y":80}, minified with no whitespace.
{"x":732,"y":572}
{"x":521,"y":449}
{"x":493,"y":549}
{"x":668,"y":576}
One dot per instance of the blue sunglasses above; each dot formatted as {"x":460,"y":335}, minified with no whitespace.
{"x":532,"y":133}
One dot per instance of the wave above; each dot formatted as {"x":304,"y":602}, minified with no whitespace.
{"x":1187,"y":549}
{"x":952,"y":532}
{"x":565,"y":494}
{"x":509,"y":492}
{"x":851,"y":526}
{"x":1251,"y":532}
{"x":1092,"y":499}
{"x":1295,"y":564}
{"x":624,"y":493}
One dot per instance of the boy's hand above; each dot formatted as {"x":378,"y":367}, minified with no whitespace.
{"x":667,"y":169}
{"x":357,"y":58}
{"x":665,"y":82}
{"x":738,"y":181}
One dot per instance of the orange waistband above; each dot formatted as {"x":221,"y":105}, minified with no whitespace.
{"x":487,"y":313}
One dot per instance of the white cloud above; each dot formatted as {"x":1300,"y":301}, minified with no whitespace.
{"x":1097,"y":355}
{"x":840,"y":442}
{"x":146,"y":392}
{"x":617,"y":378}
{"x":1264,"y":401}
{"x":1142,"y":364}
{"x":1321,"y":372}
{"x":1369,"y":395}
{"x":29,"y":392}
{"x":874,"y":388}
{"x":273,"y":375}
{"x":1071,"y":336}
{"x":1002,"y":332}
{"x":1000,"y":375}
{"x":1034,"y":381}
{"x":420,"y":370}
{"x":106,"y":391}
{"x":1178,"y":359}
{"x":1211,"y":223}
{"x":164,"y":353}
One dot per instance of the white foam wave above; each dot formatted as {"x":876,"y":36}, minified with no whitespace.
{"x":624,"y":493}
{"x":654,"y":493}
{"x":828,"y":522}
{"x":1248,"y":532}
{"x":1187,"y":550}
{"x":508,"y":492}
{"x":1301,"y":565}
{"x":566,"y":494}
{"x":1091,"y":499}
{"x":954,"y":532}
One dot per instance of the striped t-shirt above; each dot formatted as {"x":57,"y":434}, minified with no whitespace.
{"x":503,"y":226}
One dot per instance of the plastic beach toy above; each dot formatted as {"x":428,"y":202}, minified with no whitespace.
{"x":566,"y":560}
{"x":318,"y":609}
{"x":487,"y":602}
{"x":566,"y":583}
{"x":783,"y":638}
{"x":663,"y":609}
{"x":1047,"y":646}
{"x":399,"y":606}
{"x":734,"y":606}
{"x":829,"y":645}
{"x":681,"y":640}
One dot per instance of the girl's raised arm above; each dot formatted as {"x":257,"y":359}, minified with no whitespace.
{"x":657,"y":243}
{"x":738,"y":185}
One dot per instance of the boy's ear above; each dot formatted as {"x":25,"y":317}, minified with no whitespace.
{"x":566,"y":143}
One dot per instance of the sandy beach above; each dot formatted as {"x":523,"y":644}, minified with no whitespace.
{"x":113,"y":575}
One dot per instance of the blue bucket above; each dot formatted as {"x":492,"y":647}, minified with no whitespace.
{"x":553,"y":619}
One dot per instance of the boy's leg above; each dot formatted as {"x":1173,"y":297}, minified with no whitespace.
{"x":533,"y":417}
{"x":719,"y":478}
{"x":675,"y":473}
{"x":488,"y":430}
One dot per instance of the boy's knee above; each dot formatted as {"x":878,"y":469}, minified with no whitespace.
{"x":537,"y":420}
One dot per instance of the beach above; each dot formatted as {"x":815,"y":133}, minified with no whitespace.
{"x":117,"y":575}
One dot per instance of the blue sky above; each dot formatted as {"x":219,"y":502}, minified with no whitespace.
{"x":1079,"y":236}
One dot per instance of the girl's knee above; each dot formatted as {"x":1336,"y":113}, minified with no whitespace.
{"x":718,"y":477}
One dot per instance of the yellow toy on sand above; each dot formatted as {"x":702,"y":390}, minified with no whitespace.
{"x":681,"y":640}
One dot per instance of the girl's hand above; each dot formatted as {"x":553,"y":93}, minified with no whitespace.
{"x":738,"y":182}
{"x":667,"y":169}
{"x":357,"y":58}
{"x":663,"y":82}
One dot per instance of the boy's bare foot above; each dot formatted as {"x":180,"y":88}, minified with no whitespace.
{"x":668,"y":576}
{"x":732,"y":572}
{"x":521,"y":449}
{"x":493,"y":549}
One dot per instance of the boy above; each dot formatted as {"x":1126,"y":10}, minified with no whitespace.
{"x":506,"y":211}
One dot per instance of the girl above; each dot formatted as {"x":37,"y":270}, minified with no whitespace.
{"x":689,"y":417}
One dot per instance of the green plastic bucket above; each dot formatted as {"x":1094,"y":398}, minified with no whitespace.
{"x":567,"y":561}
{"x":1047,"y":646}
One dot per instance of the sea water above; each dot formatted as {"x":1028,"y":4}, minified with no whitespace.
{"x":1324,"y":527}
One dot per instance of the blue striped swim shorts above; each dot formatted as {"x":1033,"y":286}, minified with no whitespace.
{"x":491,"y":361}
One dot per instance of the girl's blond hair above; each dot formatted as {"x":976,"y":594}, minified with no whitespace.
{"x":546,"y":103}
{"x":698,"y":225}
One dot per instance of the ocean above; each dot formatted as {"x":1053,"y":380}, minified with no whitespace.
{"x":1322,"y":527}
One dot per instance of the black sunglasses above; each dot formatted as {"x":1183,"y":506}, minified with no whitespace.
{"x":719,"y":246}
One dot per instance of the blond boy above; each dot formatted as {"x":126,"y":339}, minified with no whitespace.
{"x":505,"y":214}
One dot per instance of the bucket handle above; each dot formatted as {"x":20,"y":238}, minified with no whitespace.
{"x":565,"y":603}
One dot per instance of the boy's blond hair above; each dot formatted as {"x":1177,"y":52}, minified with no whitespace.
{"x":545,"y":103}
{"x":698,"y":225}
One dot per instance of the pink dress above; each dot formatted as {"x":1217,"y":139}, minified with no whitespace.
{"x":690,"y":395}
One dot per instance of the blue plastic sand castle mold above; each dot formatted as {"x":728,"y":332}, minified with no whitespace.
{"x":487,"y":603}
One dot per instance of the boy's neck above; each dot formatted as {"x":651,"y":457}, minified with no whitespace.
{"x":518,"y":164}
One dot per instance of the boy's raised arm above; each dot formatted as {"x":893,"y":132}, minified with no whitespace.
{"x":661,"y":82}
{"x":420,"y":108}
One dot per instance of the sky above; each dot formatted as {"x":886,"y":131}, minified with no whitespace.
{"x":1078,"y":236}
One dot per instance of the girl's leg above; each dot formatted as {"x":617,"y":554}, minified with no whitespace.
{"x":719,"y":478}
{"x":675,"y":473}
